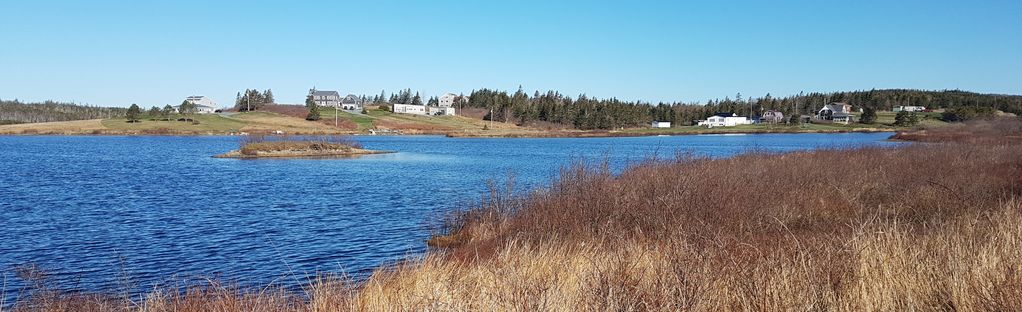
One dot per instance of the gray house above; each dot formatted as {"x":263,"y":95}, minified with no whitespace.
{"x":772,"y":116}
{"x":836,"y":112}
{"x":351,"y":102}
{"x":326,"y":98}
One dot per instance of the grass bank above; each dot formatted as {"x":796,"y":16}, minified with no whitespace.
{"x":920,"y":227}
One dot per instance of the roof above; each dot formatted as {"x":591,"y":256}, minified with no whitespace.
{"x":196,"y":105}
{"x":326,"y":93}
{"x":351,"y":98}
{"x":835,"y":107}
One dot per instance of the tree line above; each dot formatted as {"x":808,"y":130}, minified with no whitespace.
{"x":253,"y":99}
{"x":14,"y":111}
{"x":586,"y":112}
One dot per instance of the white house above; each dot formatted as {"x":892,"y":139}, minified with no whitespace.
{"x":409,"y":109}
{"x":909,"y":108}
{"x":447,"y":100}
{"x":440,"y":111}
{"x":661,"y":124}
{"x":351,"y":102}
{"x":423,"y":110}
{"x":725,"y":120}
{"x":203,"y":104}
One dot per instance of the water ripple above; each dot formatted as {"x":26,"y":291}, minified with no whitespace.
{"x":95,"y":212}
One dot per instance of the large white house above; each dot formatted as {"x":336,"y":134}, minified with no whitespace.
{"x":203,"y":104}
{"x":725,"y":120}
{"x":449,"y":99}
{"x":660,"y":124}
{"x":423,"y":110}
{"x":909,"y":108}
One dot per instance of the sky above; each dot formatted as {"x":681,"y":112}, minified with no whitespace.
{"x":115,"y":53}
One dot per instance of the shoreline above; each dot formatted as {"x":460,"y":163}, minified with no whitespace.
{"x":472,"y":253}
{"x":541,"y":242}
{"x":236,"y":154}
{"x":495,"y":134}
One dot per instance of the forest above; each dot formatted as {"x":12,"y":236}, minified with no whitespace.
{"x":585,"y":112}
{"x":14,"y":111}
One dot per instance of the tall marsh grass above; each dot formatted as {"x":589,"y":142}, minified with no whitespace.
{"x":255,"y":143}
{"x":922,"y":227}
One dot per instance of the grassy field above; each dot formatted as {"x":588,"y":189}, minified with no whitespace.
{"x":290,"y":119}
{"x":59,"y":127}
{"x":252,"y":122}
{"x":201,"y":124}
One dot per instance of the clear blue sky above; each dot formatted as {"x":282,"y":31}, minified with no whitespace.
{"x":157,"y":52}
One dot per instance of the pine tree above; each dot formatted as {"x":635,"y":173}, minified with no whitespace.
{"x":154,"y":112}
{"x":167,"y":111}
{"x":869,"y":115}
{"x":133,"y":113}
{"x":906,"y":119}
{"x":417,"y":100}
{"x":268,"y":96}
{"x":313,"y":109}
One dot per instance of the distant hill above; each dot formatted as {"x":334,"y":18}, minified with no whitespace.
{"x":12,"y":112}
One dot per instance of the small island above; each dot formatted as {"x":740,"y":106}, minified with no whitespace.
{"x":287,"y":148}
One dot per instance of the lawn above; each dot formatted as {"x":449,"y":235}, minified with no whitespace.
{"x":364,"y":122}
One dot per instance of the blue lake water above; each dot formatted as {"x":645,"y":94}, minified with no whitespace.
{"x":114,"y":213}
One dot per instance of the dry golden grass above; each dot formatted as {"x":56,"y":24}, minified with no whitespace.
{"x":925,"y":227}
{"x":997,"y":130}
{"x":60,"y":127}
{"x":262,"y":122}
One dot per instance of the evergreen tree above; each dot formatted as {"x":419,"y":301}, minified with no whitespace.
{"x":186,"y":108}
{"x":416,"y":100}
{"x":167,"y":111}
{"x":906,"y":119}
{"x":869,"y":115}
{"x":268,"y":96}
{"x":154,"y":112}
{"x":313,"y":108}
{"x":133,"y":113}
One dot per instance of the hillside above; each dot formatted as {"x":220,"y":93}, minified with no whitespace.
{"x":49,"y":111}
{"x":254,"y":122}
{"x":268,"y":122}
